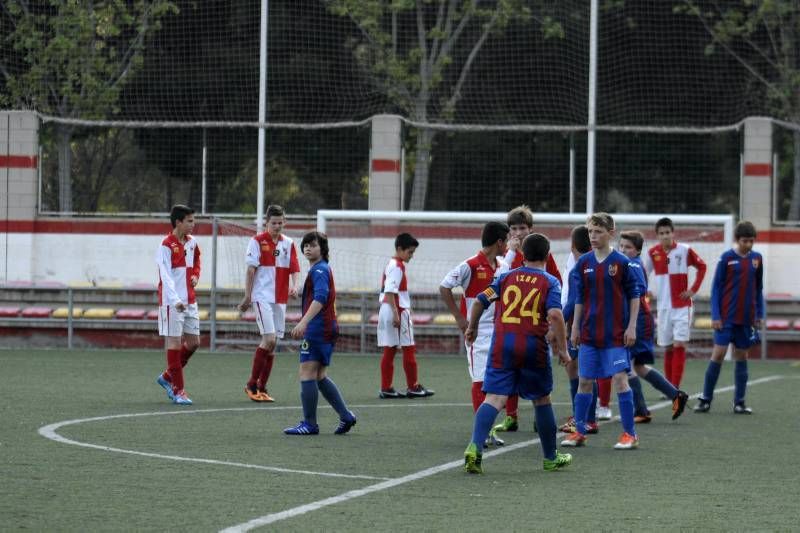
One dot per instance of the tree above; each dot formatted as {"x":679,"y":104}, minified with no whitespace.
{"x":420,"y":52}
{"x":75,"y":59}
{"x":762,"y":35}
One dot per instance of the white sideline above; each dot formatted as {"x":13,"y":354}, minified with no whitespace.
{"x":352,"y":494}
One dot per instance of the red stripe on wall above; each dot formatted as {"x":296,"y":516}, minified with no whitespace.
{"x":385,"y":165}
{"x":762,"y":170}
{"x":19,"y":161}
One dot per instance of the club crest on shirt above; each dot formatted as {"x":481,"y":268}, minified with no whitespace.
{"x":756,"y":262}
{"x":176,"y":249}
{"x":481,"y":274}
{"x":265,"y":247}
{"x":612,"y":270}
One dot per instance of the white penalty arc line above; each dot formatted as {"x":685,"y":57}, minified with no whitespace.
{"x":416,"y":476}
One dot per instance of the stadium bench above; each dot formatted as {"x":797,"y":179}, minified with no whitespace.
{"x":20,"y":284}
{"x":797,"y":325}
{"x":37,"y":312}
{"x":373,"y":319}
{"x":7,"y":312}
{"x":98,"y":313}
{"x":110,"y":284}
{"x":142,"y":286}
{"x":422,"y":319}
{"x":49,"y":285}
{"x":80,"y":284}
{"x":63,"y":312}
{"x":249,"y":316}
{"x":777,"y":324}
{"x":203,"y":314}
{"x":349,"y":318}
{"x":444,"y":319}
{"x":224,"y":314}
{"x":293,"y":317}
{"x":152,"y":315}
{"x":703,"y":322}
{"x":131,"y":314}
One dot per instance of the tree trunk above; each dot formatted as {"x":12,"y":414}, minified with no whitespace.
{"x":64,"y":169}
{"x":419,"y":190}
{"x":794,"y":206}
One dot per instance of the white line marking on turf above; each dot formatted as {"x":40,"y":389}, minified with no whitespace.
{"x":351,"y":494}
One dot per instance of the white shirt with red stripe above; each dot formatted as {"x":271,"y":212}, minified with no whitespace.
{"x":274,"y":262}
{"x":177,"y":263}
{"x":394,"y":281}
{"x":671,"y":271}
{"x":474,"y":275}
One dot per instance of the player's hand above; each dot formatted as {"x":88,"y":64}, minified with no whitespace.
{"x":550,"y":336}
{"x":293,"y":292}
{"x":716,"y":324}
{"x":563,"y":358}
{"x":650,"y":295}
{"x":193,"y":280}
{"x":575,"y":337}
{"x":244,"y":305}
{"x":396,"y":320}
{"x":687,"y":295}
{"x":180,"y":306}
{"x":299,"y":330}
{"x":462,"y":323}
{"x":513,"y":243}
{"x":629,"y":338}
{"x":470,"y":335}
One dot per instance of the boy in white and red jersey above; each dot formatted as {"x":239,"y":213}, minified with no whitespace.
{"x":178,"y":260}
{"x":520,"y":224}
{"x":395,"y":327}
{"x":670,"y":261}
{"x":474,"y":275}
{"x":273,"y":274}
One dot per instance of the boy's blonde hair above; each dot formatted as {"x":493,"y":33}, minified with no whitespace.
{"x":521,"y":214}
{"x":604,"y":220}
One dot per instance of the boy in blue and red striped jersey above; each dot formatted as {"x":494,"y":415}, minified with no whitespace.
{"x":527,"y":314}
{"x":737,"y":310}
{"x":631,"y":244}
{"x":608,"y":286}
{"x":318,"y":329}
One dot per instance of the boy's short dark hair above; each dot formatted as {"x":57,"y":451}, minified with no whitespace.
{"x":580,"y":239}
{"x":493,"y":232}
{"x":604,"y":220}
{"x":745,"y":230}
{"x":536,"y":247}
{"x":520,"y":215}
{"x":275,"y":210}
{"x":664,"y":222}
{"x":320,"y":238}
{"x":179,"y":212}
{"x":404,"y":241}
{"x":635,"y":237}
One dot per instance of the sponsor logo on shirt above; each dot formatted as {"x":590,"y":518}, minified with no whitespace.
{"x":588,"y":270}
{"x":481,"y":275}
{"x":733,"y":262}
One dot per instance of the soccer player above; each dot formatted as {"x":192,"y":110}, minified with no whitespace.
{"x":608,"y":286}
{"x":273,"y":274}
{"x":737,"y":311}
{"x":630,"y":244}
{"x":520,"y":224}
{"x":473,"y":276}
{"x":318,"y":329}
{"x":670,"y":260}
{"x":178,"y":260}
{"x":395,"y":327}
{"x":527,"y":309}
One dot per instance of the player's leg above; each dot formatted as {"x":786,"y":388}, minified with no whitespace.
{"x":745,"y":338}
{"x":571,"y":370}
{"x":477,"y":355}
{"x":266,"y":327}
{"x":641,"y":413}
{"x":309,"y":393}
{"x":722,"y":338}
{"x":498,"y":383}
{"x":588,"y":369}
{"x":604,"y":399}
{"x":681,"y":329}
{"x":389,"y":340}
{"x":171,"y":326}
{"x":616,"y":361}
{"x":269,"y":345}
{"x":410,"y":367}
{"x":664,"y":339}
{"x":329,"y":390}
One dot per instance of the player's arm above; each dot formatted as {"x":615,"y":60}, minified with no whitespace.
{"x":577,"y":315}
{"x":450,"y":302}
{"x":321,"y":293}
{"x":249,"y":279}
{"x":168,"y":292}
{"x":391,"y":289}
{"x":700,"y":266}
{"x":458,"y":277}
{"x":576,"y":291}
{"x":760,"y":293}
{"x":552,"y":268}
{"x":635,"y":287}
{"x":558,"y":338}
{"x":196,"y":266}
{"x":716,"y":293}
{"x":647,"y":261}
{"x":483,"y":301}
{"x":294,"y":271}
{"x":630,"y":332}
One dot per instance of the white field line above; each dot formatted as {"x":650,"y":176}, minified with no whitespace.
{"x":352,"y":494}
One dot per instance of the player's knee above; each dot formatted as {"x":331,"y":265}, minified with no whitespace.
{"x":268,"y":342}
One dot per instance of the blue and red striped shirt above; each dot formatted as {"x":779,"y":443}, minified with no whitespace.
{"x":645,"y":323}
{"x":737,"y":292}
{"x":319,"y":286}
{"x":522,"y":299}
{"x":605,"y":289}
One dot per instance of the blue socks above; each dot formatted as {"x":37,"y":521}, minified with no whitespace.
{"x":740,"y":381}
{"x":484,"y":418}
{"x":591,"y":416}
{"x":639,"y":405}
{"x":582,"y":402}
{"x":331,"y":393}
{"x":546,"y":424}
{"x":660,"y":383}
{"x":712,"y":375}
{"x":573,"y":390}
{"x":309,"y":396}
{"x":625,"y":400}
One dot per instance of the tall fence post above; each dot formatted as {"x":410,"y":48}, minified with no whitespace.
{"x":213,"y":305}
{"x":70,"y":306}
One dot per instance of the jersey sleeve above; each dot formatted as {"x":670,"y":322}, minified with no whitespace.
{"x":553,"y":295}
{"x":647,"y":262}
{"x":716,"y":288}
{"x":394,"y":276}
{"x":164,"y":262}
{"x":196,"y":263}
{"x":569,"y":306}
{"x":294,"y":265}
{"x":253,"y":255}
{"x":760,"y":289}
{"x":552,"y":268}
{"x":510,"y":256}
{"x":492,"y":292}
{"x":694,"y":260}
{"x":322,"y":288}
{"x":633,"y":281}
{"x":458,"y":277}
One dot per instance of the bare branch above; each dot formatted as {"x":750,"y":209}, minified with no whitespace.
{"x":456,"y":94}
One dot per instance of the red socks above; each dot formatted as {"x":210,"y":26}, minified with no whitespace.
{"x":259,"y":361}
{"x":604,"y":391}
{"x":668,"y":364}
{"x":511,"y":405}
{"x":410,"y":365}
{"x":678,"y":364}
{"x":175,"y":369}
{"x":477,"y":395}
{"x":387,"y":367}
{"x":266,"y":370}
{"x":186,"y":354}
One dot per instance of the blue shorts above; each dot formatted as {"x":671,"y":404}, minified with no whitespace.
{"x":743,"y":337}
{"x":596,"y":363}
{"x":642,"y":353}
{"x":316,"y":351}
{"x":529,"y":383}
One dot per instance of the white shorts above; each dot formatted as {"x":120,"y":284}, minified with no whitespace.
{"x":271,"y":318}
{"x":389,"y":335}
{"x":674,"y":325}
{"x":477,"y":357}
{"x":172,"y":323}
